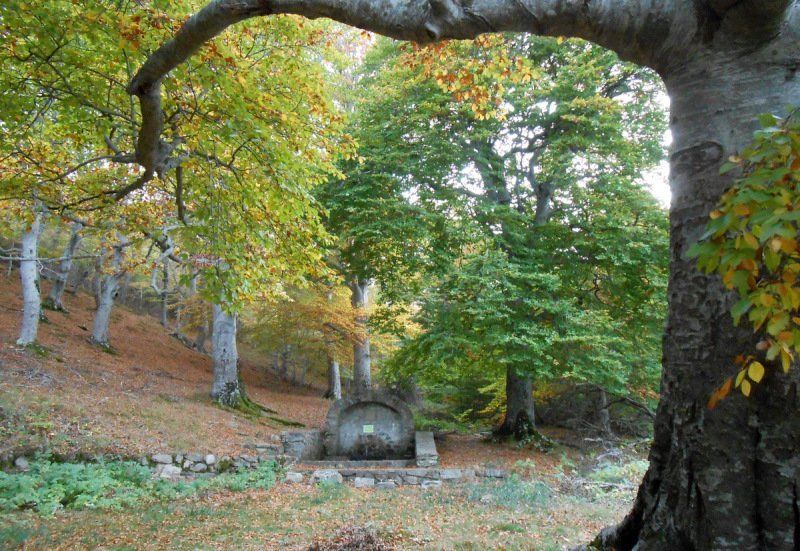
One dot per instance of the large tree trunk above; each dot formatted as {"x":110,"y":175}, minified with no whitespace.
{"x":724,"y":478}
{"x":362,"y":373}
{"x":54,"y":299}
{"x":107,"y":287}
{"x":29,"y":276}
{"x":519,"y":421}
{"x":227,"y":386}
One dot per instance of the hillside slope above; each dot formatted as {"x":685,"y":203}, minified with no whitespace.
{"x":152,"y":393}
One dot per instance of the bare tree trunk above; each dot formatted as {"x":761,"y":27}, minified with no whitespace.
{"x":54,"y":300}
{"x":227,"y":386}
{"x":334,"y":378}
{"x":97,"y":277}
{"x":108,"y":286}
{"x":79,"y":281}
{"x":362,"y":369}
{"x":603,"y":415}
{"x":29,"y":276}
{"x":520,"y":416}
{"x":164,"y":294}
{"x":124,"y":287}
{"x":202,"y":334}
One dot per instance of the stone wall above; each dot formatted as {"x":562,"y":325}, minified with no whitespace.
{"x":390,"y":478}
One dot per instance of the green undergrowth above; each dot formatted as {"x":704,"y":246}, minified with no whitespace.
{"x":513,"y":492}
{"x":48,"y":487}
{"x":437,"y":422}
{"x":38,"y":350}
{"x":254,"y":411}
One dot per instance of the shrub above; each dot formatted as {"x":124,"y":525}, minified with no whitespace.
{"x":513,"y":492}
{"x":48,"y":486}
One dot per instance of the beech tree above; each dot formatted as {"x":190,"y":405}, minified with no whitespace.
{"x":29,"y":278}
{"x":54,"y":298}
{"x":551,"y":182}
{"x":722,"y":479}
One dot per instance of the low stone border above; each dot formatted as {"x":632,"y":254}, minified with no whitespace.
{"x":390,"y":478}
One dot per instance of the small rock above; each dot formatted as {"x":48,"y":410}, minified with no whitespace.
{"x":179,"y":459}
{"x":328,"y":476}
{"x":162,"y":458}
{"x":293,"y":477}
{"x":486,"y":498}
{"x":363,"y":482}
{"x":22,"y":464}
{"x":195,"y":457}
{"x":494,"y":473}
{"x":450,"y":474}
{"x":386,"y":485}
{"x":168,"y":471}
{"x":412,"y":480}
{"x":187,"y":464}
{"x":274,"y":438}
{"x":199,"y":468}
{"x":210,"y":459}
{"x":249,"y":458}
{"x":426,"y":484}
{"x":143,"y":461}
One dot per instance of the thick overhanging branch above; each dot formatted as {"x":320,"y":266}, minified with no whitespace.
{"x":618,"y":24}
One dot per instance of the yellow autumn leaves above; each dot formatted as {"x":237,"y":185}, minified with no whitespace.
{"x":751,"y":240}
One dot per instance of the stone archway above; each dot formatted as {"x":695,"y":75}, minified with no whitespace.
{"x":372,"y":426}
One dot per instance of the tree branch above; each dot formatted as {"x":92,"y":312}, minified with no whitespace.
{"x":640,"y":31}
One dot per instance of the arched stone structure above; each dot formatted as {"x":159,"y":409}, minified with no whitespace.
{"x":372,"y":426}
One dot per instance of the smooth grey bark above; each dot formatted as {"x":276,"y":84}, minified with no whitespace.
{"x":362,"y":368}
{"x":334,"y":378}
{"x":29,"y":277}
{"x":107,"y":288}
{"x":202,"y":334}
{"x":164,"y":295}
{"x":162,"y":290}
{"x":202,"y":329}
{"x":227,"y":386}
{"x":97,"y":277}
{"x":84,"y":274}
{"x":603,"y":413}
{"x":54,"y":299}
{"x":721,"y":479}
{"x":124,"y":288}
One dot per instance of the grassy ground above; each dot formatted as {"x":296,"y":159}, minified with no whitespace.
{"x":500,"y":515}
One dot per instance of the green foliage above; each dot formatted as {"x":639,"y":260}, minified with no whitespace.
{"x":48,"y":487}
{"x":625,"y":473}
{"x":554,"y":258}
{"x":751,"y":241}
{"x":252,"y":128}
{"x":327,"y":491}
{"x":513,"y":493}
